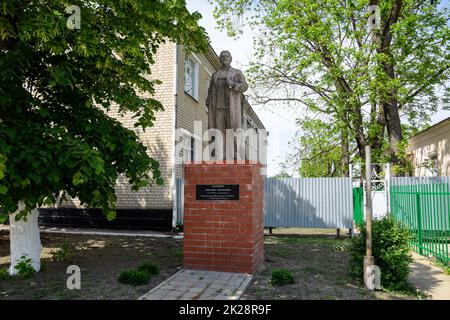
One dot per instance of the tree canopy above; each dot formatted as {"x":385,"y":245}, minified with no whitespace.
{"x":316,"y":149}
{"x":371,"y":68}
{"x":57,"y":85}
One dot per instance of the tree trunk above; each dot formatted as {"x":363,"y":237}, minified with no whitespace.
{"x":390,"y":101}
{"x":25,"y":240}
{"x":394,"y":129}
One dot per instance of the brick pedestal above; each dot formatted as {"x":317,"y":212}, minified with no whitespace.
{"x":224,"y":235}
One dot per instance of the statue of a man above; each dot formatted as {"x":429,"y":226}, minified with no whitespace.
{"x":224,"y":96}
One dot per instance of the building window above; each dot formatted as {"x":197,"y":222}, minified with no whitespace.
{"x":191,"y":78}
{"x":208,"y":82}
{"x":187,"y":146}
{"x":431,"y":165}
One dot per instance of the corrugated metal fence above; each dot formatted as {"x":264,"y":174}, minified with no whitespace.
{"x":308,"y":203}
{"x":301,"y":203}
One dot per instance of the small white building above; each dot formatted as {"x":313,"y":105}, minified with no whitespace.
{"x":430,"y":151}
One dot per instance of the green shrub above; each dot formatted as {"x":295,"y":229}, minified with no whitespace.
{"x":44,"y":265}
{"x":4,"y":275}
{"x":179,"y":253}
{"x":282,"y":277}
{"x":63,"y":254}
{"x":443,"y":266}
{"x":339,"y":247}
{"x":390,"y":249}
{"x":25,"y":268}
{"x":149,"y":267}
{"x":134,"y":278}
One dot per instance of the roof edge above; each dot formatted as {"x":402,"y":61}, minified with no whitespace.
{"x":435,"y":126}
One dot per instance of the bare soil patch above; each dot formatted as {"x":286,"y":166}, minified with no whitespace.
{"x":319,"y":265}
{"x":101,"y":259}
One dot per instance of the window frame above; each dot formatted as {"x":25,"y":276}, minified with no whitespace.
{"x":194,"y":77}
{"x":432,"y":164}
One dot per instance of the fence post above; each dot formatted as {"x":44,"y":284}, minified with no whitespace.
{"x":387,"y":186}
{"x":419,"y":222}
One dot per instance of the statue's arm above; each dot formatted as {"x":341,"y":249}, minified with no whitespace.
{"x":240,"y":86}
{"x":210,"y":89}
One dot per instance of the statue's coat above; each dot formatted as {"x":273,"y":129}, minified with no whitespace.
{"x":232,"y":102}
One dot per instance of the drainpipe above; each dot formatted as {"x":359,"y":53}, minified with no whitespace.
{"x":174,"y":126}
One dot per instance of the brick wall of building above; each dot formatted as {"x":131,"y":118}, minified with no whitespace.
{"x":190,"y":109}
{"x":159,"y":140}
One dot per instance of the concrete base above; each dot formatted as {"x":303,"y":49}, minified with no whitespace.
{"x":369,"y":261}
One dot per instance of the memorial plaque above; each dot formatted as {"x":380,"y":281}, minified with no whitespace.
{"x":217,"y":192}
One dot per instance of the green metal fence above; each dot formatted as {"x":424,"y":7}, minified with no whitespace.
{"x":423,"y":205}
{"x":358,"y":205}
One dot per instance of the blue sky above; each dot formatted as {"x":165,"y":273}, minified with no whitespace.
{"x":279,"y":122}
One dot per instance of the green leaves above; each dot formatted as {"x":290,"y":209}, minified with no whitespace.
{"x":58,"y":85}
{"x":77,"y":178}
{"x":111,"y":215}
{"x":24,"y":183}
{"x":318,"y":149}
{"x":319,"y":57}
{"x":391,"y":251}
{"x":2,"y":166}
{"x":3,"y":217}
{"x":3,"y":189}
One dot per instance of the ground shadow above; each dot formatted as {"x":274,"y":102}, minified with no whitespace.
{"x":100,"y":258}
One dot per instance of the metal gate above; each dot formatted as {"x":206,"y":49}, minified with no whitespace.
{"x":381,"y":173}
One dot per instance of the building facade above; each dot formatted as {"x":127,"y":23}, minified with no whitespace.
{"x":185,"y":79}
{"x":430,"y":151}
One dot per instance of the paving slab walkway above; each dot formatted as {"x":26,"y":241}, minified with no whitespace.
{"x":429,"y":279}
{"x":200,"y":285}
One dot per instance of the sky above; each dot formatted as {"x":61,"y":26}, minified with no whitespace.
{"x":278,"y":121}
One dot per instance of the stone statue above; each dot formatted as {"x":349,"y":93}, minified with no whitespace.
{"x":224,"y":96}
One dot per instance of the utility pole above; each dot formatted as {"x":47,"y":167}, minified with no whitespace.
{"x":369,"y":260}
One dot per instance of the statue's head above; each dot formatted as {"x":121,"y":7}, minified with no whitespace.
{"x":225,"y":58}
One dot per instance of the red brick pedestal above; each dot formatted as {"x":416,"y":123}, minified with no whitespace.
{"x":224,"y":235}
